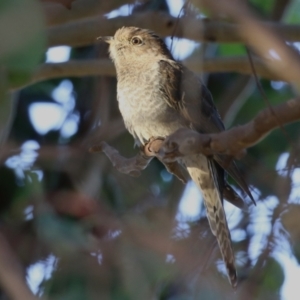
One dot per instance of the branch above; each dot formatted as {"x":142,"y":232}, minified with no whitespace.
{"x":65,"y":3}
{"x":79,"y":9}
{"x":231,"y":142}
{"x":131,"y":166}
{"x":69,"y":69}
{"x":99,"y":67}
{"x":202,"y":30}
{"x":239,"y":65}
{"x":184,"y":142}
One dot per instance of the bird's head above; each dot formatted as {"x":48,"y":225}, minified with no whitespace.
{"x":132,"y":44}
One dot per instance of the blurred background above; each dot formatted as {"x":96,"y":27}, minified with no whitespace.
{"x":72,"y":226}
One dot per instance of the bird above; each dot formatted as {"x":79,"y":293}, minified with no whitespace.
{"x":157,"y":96}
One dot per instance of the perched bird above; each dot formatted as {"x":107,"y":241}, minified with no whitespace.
{"x":157,"y":96}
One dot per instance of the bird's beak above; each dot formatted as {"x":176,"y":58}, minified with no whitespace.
{"x":106,"y":39}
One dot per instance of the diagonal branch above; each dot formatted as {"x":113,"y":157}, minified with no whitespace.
{"x":231,"y":142}
{"x":183,"y":142}
{"x":266,"y":41}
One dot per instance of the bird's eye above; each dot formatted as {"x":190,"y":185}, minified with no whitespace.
{"x":136,"y":41}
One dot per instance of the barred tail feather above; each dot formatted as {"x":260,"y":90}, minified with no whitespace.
{"x":203,"y":175}
{"x":216,"y":215}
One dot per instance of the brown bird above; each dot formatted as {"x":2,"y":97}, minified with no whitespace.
{"x":157,"y":96}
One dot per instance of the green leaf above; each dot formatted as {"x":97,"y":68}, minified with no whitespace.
{"x":6,"y":107}
{"x":231,"y":49}
{"x":273,"y":276}
{"x":22,"y":35}
{"x":264,"y":7}
{"x":292,"y":14}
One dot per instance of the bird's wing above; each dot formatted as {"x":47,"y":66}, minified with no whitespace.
{"x":171,"y":76}
{"x":185,"y":92}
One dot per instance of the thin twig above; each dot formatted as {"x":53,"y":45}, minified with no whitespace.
{"x":267,"y":102}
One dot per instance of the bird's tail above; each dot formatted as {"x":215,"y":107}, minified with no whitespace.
{"x":203,"y":174}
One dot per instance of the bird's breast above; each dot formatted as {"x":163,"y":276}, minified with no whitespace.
{"x":143,"y":107}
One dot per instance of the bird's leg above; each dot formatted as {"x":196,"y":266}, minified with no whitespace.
{"x":131,"y":166}
{"x":152,"y":148}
